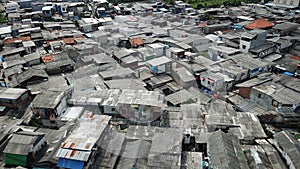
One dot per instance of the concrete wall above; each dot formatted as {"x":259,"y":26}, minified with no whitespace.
{"x":179,"y":80}
{"x":218,"y":85}
{"x":198,"y":42}
{"x":110,"y":110}
{"x":62,"y":106}
{"x":261,"y":98}
{"x":216,"y":55}
{"x":158,"y":51}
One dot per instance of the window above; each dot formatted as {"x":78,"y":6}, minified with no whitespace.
{"x":210,"y":81}
{"x":25,"y":96}
{"x":244,"y":46}
{"x":292,"y":2}
{"x":6,"y":100}
{"x":287,"y":105}
{"x":246,"y":39}
{"x":275,"y":103}
{"x":259,"y":95}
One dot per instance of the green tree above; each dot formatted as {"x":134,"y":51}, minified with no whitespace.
{"x":2,"y":18}
{"x":170,"y":2}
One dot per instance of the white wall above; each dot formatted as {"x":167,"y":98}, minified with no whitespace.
{"x":39,"y":145}
{"x":247,"y":46}
{"x":161,"y":68}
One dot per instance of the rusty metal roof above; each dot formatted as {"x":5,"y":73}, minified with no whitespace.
{"x":79,"y":144}
{"x":13,"y":40}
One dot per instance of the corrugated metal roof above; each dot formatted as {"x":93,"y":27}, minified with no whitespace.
{"x":73,"y":154}
{"x":13,"y":40}
{"x":289,"y":146}
{"x":22,"y":143}
{"x":72,"y":113}
{"x":22,"y":139}
{"x":141,"y":97}
{"x":68,"y":163}
{"x":222,"y":151}
{"x":185,"y":75}
{"x":15,"y":148}
{"x":286,"y":96}
{"x":182,"y":96}
{"x":159,"y":61}
{"x":103,"y":97}
{"x":79,"y":144}
{"x":126,"y":84}
{"x":159,"y":79}
{"x":165,"y":150}
{"x":28,"y":44}
{"x":11,"y":93}
{"x":5,"y":30}
{"x":137,"y":149}
{"x":32,"y":56}
{"x":85,"y":136}
{"x":48,"y":99}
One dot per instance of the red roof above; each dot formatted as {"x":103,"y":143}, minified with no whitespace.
{"x":69,"y":41}
{"x":47,"y":58}
{"x":295,"y":57}
{"x":203,"y":24}
{"x":260,"y":23}
{"x":136,"y":42}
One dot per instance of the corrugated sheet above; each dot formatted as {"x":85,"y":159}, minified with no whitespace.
{"x":14,"y":148}
{"x":137,"y":149}
{"x":67,"y":163}
{"x":222,"y":150}
{"x":181,"y":96}
{"x":13,"y":40}
{"x":48,"y":99}
{"x":73,"y":154}
{"x":22,"y":143}
{"x":80,"y":146}
{"x":140,"y":97}
{"x":23,"y":139}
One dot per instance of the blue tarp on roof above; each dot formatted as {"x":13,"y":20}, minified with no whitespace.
{"x":289,"y":73}
{"x":154,"y":69}
{"x":69,"y":163}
